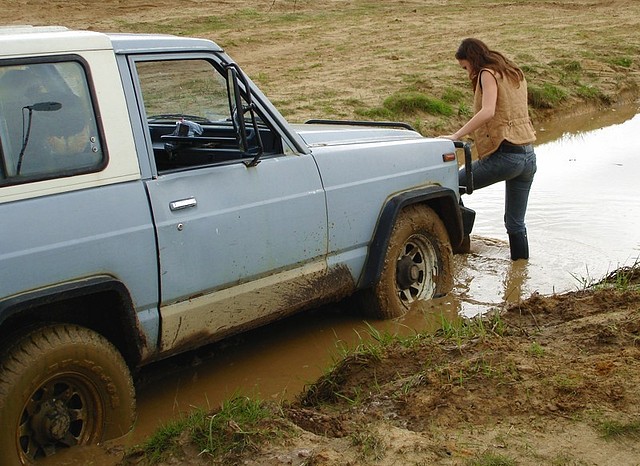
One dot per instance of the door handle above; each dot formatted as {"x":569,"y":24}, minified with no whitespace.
{"x":183,"y":204}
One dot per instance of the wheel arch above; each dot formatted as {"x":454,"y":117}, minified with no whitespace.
{"x":444,"y":203}
{"x":101,"y":303}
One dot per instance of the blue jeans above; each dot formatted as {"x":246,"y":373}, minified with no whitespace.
{"x":516,"y":165}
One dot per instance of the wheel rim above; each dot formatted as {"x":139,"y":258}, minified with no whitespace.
{"x":65,"y":410}
{"x":416,"y":270}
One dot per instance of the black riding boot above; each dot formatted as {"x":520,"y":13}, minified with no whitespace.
{"x":519,"y":245}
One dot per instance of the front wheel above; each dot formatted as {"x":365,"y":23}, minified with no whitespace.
{"x":418,"y":264}
{"x":61,"y":385}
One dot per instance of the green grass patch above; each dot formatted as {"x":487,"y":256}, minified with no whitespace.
{"x":236,"y":427}
{"x":568,"y":385}
{"x":536,"y":349}
{"x":491,"y":459}
{"x":413,"y":102}
{"x":370,"y":349}
{"x":589,"y":92}
{"x":462,"y":330}
{"x":239,"y":425}
{"x":453,"y":96}
{"x":623,"y":278}
{"x":377,"y":113}
{"x":624,"y":62}
{"x":545,"y":96}
{"x":370,"y":445}
{"x":407,"y":104}
{"x":165,"y":439}
{"x":616,"y":430}
{"x":464,"y":110}
{"x":570,"y":66}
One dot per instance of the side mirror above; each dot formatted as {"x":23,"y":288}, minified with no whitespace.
{"x":249,"y":141}
{"x":236,"y":108}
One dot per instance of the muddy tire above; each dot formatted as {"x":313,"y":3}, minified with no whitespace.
{"x":62,"y":385}
{"x":418,"y":265}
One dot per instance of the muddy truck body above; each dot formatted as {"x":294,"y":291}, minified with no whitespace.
{"x":153,"y":200}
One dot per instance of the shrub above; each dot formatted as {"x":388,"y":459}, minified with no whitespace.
{"x":412,"y":102}
{"x":545,"y":96}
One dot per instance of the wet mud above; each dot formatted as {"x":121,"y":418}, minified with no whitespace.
{"x":276,"y":361}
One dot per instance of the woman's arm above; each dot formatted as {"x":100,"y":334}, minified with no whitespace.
{"x":488,"y":110}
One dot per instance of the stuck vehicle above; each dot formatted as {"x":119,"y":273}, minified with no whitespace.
{"x":153,"y":200}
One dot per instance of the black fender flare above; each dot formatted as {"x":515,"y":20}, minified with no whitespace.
{"x":131,"y":341}
{"x":442,"y":200}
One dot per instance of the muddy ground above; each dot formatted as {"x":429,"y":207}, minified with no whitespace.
{"x":554,"y":379}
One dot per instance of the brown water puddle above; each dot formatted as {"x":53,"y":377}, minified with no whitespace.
{"x":583,"y":216}
{"x":583,"y":221}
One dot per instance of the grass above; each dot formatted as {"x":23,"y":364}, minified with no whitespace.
{"x":545,"y":96}
{"x":461,"y":330}
{"x":623,"y":278}
{"x":615,"y":430}
{"x":536,"y":350}
{"x":568,"y":385}
{"x":453,"y":96}
{"x":411,"y":382}
{"x":491,"y":459}
{"x":589,"y":92}
{"x":402,"y":105}
{"x":404,"y":82}
{"x":165,"y":439}
{"x":371,"y":348}
{"x":237,"y":426}
{"x":411,"y":102}
{"x":625,"y":62}
{"x":370,"y":445}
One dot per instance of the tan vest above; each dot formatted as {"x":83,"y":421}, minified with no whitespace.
{"x":511,"y":121}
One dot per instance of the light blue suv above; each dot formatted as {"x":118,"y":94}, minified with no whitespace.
{"x":153,"y":200}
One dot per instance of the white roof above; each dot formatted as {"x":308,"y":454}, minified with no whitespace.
{"x":27,"y":40}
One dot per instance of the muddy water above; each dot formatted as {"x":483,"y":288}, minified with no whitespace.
{"x":583,"y":217}
{"x":583,"y":221}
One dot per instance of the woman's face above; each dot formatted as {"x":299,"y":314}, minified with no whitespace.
{"x":467,"y":66}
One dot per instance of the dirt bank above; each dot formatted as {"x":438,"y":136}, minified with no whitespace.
{"x":553,"y":380}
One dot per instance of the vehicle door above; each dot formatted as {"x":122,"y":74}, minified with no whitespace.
{"x":221,"y":224}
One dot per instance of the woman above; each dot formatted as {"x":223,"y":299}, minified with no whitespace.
{"x":502,"y":132}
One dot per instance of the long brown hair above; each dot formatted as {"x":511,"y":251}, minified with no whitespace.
{"x":480,"y":56}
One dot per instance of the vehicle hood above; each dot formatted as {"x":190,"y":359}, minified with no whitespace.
{"x":317,"y":135}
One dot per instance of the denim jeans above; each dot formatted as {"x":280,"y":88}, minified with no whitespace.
{"x":517,"y":170}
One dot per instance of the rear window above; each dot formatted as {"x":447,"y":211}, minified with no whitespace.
{"x":48,"y":123}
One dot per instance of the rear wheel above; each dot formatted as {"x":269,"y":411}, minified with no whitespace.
{"x":418,"y":264}
{"x":62,"y":385}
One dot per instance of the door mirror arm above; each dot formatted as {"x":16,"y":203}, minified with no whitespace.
{"x":238,"y":109}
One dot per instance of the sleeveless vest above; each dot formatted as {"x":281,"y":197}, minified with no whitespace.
{"x":511,"y":121}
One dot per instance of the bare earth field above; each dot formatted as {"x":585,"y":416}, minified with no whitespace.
{"x":553,"y":380}
{"x":342,"y":59}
